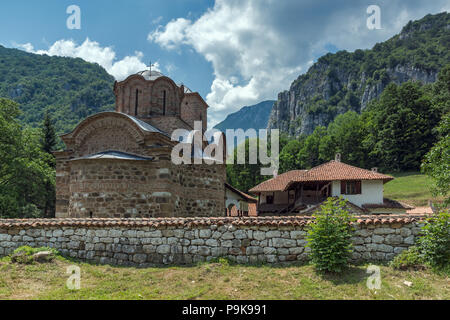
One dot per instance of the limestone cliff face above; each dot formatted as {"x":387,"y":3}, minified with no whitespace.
{"x":346,"y":81}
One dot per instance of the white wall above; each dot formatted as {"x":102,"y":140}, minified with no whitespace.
{"x":371,"y":192}
{"x":231,"y":198}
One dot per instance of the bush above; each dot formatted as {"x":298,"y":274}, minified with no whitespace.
{"x":408,"y":259}
{"x":329,"y":237}
{"x":24,"y":254}
{"x":434,"y":243}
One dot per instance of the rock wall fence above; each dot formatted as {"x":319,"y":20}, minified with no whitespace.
{"x":164,"y":241}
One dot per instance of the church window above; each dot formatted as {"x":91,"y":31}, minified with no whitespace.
{"x":137,"y":101}
{"x":164,"y":102}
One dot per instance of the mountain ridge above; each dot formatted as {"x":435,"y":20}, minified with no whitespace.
{"x":345,"y":81}
{"x":249,"y":117}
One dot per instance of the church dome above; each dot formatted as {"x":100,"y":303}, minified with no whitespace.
{"x":150,"y":75}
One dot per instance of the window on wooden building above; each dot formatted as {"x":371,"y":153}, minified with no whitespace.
{"x":351,"y":187}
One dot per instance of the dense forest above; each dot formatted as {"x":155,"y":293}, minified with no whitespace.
{"x":68,"y":89}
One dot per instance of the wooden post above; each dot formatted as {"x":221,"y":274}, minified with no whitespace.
{"x":301,"y":194}
{"x":317,"y":192}
{"x":258,"y":204}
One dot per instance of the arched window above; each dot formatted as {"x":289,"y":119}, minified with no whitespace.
{"x":164,"y":102}
{"x":137,"y":103}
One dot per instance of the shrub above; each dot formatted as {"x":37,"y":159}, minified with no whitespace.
{"x":25,"y":254}
{"x":329,"y":237}
{"x":434,"y":243}
{"x":408,"y":259}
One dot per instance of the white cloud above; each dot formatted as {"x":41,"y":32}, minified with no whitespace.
{"x":266,"y":44}
{"x":157,"y":20}
{"x":91,"y":51}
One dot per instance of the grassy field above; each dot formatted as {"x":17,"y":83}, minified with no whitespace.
{"x":410,"y":187}
{"x":212,"y":281}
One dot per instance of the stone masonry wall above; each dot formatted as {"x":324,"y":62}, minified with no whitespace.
{"x":145,"y":242}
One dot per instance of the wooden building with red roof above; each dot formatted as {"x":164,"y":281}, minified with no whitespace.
{"x":303,"y":191}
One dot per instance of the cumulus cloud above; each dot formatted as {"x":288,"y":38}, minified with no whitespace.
{"x":258,"y":47}
{"x":92,"y":51}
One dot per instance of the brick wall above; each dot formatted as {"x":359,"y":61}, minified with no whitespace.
{"x":145,"y":242}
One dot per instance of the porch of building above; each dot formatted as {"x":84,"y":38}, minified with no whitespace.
{"x":298,"y":197}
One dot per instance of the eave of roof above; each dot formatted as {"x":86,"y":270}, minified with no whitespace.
{"x":240,"y":193}
{"x":145,"y":126}
{"x":141,"y":124}
{"x":113,"y":155}
{"x":278,"y":183}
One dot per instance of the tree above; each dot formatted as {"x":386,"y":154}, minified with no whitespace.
{"x":288,"y":156}
{"x":245,"y":176}
{"x":344,"y":135}
{"x":24,"y":167}
{"x":309,"y":155}
{"x":400,"y":128}
{"x":49,"y":142}
{"x":48,"y":134}
{"x":436,"y":163}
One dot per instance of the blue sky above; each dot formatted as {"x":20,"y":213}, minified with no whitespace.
{"x":233,"y":52}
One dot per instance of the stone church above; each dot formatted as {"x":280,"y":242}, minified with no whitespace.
{"x":118,"y":164}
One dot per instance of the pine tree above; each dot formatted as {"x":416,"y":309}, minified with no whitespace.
{"x":48,"y":145}
{"x":49,"y":135}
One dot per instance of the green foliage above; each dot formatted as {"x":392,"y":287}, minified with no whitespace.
{"x":437,"y":162}
{"x":400,"y":131}
{"x":288,"y":156}
{"x":49,"y":135}
{"x":68,"y":89}
{"x":434,"y":243}
{"x":309,"y":155}
{"x":24,"y":254}
{"x":329,"y":237}
{"x":24,"y":167}
{"x":245,"y":176}
{"x":48,"y":144}
{"x":408,"y":259}
{"x":340,"y":82}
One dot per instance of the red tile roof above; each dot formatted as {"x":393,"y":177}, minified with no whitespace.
{"x":189,"y":222}
{"x":333,"y":170}
{"x":247,"y":197}
{"x":279,"y":183}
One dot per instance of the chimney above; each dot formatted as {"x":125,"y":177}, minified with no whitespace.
{"x":337,"y":157}
{"x":375,"y":170}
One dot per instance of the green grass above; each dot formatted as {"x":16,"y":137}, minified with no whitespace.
{"x":213,"y":281}
{"x":410,"y":187}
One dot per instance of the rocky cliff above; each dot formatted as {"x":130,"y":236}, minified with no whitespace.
{"x":346,"y":81}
